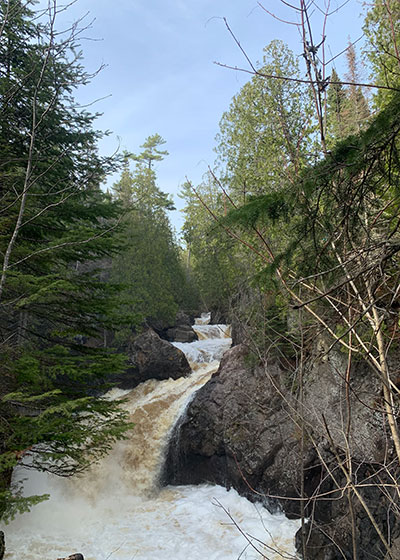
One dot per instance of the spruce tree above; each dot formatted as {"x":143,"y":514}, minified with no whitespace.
{"x":336,"y":100}
{"x":56,"y":232}
{"x":150,"y":265}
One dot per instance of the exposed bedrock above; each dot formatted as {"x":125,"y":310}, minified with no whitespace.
{"x":180,"y":331}
{"x":150,"y":357}
{"x":244,"y":429}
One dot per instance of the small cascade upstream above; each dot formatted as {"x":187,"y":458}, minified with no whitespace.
{"x":117,"y":511}
{"x":213,"y":341}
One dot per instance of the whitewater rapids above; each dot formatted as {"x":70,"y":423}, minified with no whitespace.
{"x":117,"y":511}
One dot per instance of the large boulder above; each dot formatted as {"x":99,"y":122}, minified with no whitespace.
{"x":219,"y":316}
{"x":184,"y":319}
{"x":182,"y":333}
{"x":151,"y":357}
{"x":244,"y":429}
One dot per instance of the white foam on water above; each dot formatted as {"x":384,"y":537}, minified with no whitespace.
{"x":204,"y":351}
{"x":212,"y":331}
{"x":117,"y":511}
{"x":203,"y":320}
{"x":180,"y":523}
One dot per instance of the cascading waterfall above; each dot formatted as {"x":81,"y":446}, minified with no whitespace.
{"x":117,"y":511}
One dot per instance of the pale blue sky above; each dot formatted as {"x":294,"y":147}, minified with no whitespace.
{"x":161,"y":74}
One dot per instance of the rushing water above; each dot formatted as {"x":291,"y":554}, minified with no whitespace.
{"x":117,"y":511}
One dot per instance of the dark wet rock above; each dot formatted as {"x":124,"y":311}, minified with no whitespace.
{"x":2,"y":545}
{"x":218,"y":317}
{"x":183,"y":318}
{"x":150,"y":357}
{"x":243,"y":430}
{"x":233,"y":433}
{"x":183,"y":333}
{"x":76,"y":556}
{"x":238,"y":330}
{"x":178,"y":331}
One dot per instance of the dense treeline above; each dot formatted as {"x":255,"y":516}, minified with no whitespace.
{"x":56,"y":226}
{"x":81,"y":270}
{"x":155,"y":281}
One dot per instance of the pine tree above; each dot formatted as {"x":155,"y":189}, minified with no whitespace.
{"x":151,"y":151}
{"x":146,"y":194}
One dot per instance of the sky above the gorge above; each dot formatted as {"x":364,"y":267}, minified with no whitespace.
{"x":160,"y":74}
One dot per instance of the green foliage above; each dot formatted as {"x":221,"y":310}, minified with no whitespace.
{"x":267,"y":133}
{"x":347,"y":108}
{"x":151,"y":151}
{"x":149,"y":265}
{"x":265,"y":140}
{"x":268,"y":208}
{"x":341,"y":229}
{"x":382,"y":28}
{"x":16,"y":504}
{"x":298,"y":217}
{"x":139,"y":189}
{"x":214,"y":265}
{"x":57,"y":236}
{"x":354,"y":180}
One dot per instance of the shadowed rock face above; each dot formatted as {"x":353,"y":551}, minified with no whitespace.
{"x":242,"y":430}
{"x":77,"y":556}
{"x":236,"y":432}
{"x":150,"y":357}
{"x":182,"y":333}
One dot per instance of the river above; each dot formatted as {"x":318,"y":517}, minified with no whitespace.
{"x":117,"y":510}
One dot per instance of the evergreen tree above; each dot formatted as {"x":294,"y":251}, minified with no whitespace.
{"x":139,"y":189}
{"x":151,"y":151}
{"x":265,"y":137}
{"x":355,"y":111}
{"x":336,"y":100}
{"x":56,"y":227}
{"x":150,"y":265}
{"x":347,"y":108}
{"x":214,"y":263}
{"x":123,"y":188}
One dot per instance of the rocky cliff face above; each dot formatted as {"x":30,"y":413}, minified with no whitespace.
{"x":245,"y":429}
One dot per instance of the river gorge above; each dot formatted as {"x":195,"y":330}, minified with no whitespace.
{"x":119,"y":511}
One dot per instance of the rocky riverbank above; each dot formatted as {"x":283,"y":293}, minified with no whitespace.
{"x":249,"y":429}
